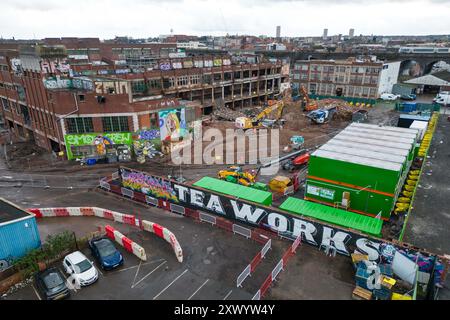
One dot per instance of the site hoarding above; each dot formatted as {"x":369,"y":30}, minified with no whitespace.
{"x":97,"y":139}
{"x":313,"y":232}
{"x":290,"y":226}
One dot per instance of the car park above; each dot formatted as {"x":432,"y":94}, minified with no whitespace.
{"x":389,"y":96}
{"x":106,"y":253}
{"x":51,"y":284}
{"x":80,"y":268}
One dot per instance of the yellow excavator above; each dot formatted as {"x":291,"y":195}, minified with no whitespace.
{"x":250,"y":123}
{"x":235,"y":174}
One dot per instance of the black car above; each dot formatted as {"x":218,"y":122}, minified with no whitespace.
{"x":52,"y":284}
{"x":408,"y":97}
{"x":106,"y":253}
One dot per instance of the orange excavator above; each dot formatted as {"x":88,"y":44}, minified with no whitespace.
{"x":310,"y":104}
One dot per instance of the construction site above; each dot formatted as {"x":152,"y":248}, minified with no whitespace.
{"x":340,"y":198}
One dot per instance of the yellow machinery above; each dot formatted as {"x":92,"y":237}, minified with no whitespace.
{"x":248,"y":123}
{"x":281,"y":184}
{"x":235,"y":174}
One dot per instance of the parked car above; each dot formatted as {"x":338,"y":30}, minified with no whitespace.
{"x":389,"y":96}
{"x":51,"y":284}
{"x":80,"y":268}
{"x":408,"y":97}
{"x":106,"y":253}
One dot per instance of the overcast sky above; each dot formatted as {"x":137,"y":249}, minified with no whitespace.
{"x":150,"y":18}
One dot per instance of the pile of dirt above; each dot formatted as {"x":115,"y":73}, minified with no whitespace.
{"x":20,"y":151}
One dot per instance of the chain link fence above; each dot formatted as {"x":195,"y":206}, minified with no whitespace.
{"x":49,"y":181}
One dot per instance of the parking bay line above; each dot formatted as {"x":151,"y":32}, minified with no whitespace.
{"x":228,"y":294}
{"x":35,"y":291}
{"x":132,"y":267}
{"x":170,"y":284}
{"x":137,"y":271}
{"x":133,"y":286}
{"x":198,"y":289}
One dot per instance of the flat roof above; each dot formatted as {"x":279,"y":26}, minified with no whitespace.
{"x":384,"y":128}
{"x":377,"y":155}
{"x":380,"y":130}
{"x":379,"y":136}
{"x":10,"y":212}
{"x":365,"y":146}
{"x":387,"y":165}
{"x":373,"y":142}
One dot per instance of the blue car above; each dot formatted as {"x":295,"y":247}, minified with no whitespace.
{"x":106,"y":253}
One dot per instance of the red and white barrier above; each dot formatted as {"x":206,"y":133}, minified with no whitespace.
{"x":125,"y":242}
{"x":166,"y":234}
{"x":129,"y":219}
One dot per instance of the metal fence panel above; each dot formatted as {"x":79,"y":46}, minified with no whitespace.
{"x":207,"y":218}
{"x":176,"y":208}
{"x":296,"y":243}
{"x":105,"y":185}
{"x":242,"y":231}
{"x":151,"y":200}
{"x":127,"y":192}
{"x":266,"y":248}
{"x":277,"y":269}
{"x":244,"y":274}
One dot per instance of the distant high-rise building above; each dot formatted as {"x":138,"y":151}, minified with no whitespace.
{"x":351,"y":33}
{"x":325,"y":33}
{"x":278,"y":32}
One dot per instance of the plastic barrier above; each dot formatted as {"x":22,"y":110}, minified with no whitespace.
{"x":127,"y":243}
{"x":129,"y":219}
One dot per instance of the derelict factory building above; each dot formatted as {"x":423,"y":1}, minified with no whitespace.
{"x":362,"y":169}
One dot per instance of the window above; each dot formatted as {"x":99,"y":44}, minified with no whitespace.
{"x":154,"y":124}
{"x":182,"y":81}
{"x":79,"y":125}
{"x":138,"y":86}
{"x":81,"y":97}
{"x":207,"y":78}
{"x":154,"y":83}
{"x":237,"y":74}
{"x":5,"y":104}
{"x":304,"y":76}
{"x":304,"y":67}
{"x":217,"y":77}
{"x":115,"y":124}
{"x":195,"y":79}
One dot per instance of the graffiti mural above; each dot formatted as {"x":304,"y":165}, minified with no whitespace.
{"x":172,"y":122}
{"x":149,"y":185}
{"x":100,"y":140}
{"x":148,"y":134}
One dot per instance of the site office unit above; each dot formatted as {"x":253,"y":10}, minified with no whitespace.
{"x":369,"y":171}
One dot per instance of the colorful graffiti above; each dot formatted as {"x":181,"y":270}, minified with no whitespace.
{"x":148,"y":134}
{"x":98,"y":139}
{"x":152,"y":186}
{"x":170,"y":122}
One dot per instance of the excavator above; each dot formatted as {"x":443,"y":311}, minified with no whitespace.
{"x":310,"y":104}
{"x":235,"y":174}
{"x":250,"y":123}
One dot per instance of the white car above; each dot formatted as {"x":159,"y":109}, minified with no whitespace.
{"x":80,"y":268}
{"x":389,"y":96}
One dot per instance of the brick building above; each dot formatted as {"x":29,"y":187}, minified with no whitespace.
{"x":50,"y":90}
{"x":350,"y":78}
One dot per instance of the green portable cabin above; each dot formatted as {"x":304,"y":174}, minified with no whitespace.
{"x":339,"y":217}
{"x":368,"y":162}
{"x":235,"y":190}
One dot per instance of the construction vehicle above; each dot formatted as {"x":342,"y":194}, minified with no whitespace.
{"x":309,"y":104}
{"x":296,"y":142}
{"x":297,"y":162}
{"x":321,"y":116}
{"x":235,"y":174}
{"x":256,"y":122}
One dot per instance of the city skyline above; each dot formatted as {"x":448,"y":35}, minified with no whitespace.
{"x":149,"y":18}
